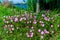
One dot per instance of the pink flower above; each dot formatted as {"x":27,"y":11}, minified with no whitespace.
{"x":42,"y":32}
{"x":21,"y":19}
{"x":34,"y":22}
{"x":47,"y":10}
{"x":24,"y":18}
{"x":30,"y":16}
{"x":16,"y":19}
{"x":11,"y":25}
{"x":47,"y":32}
{"x":39,"y":30}
{"x":12,"y":28}
{"x":43,"y":15}
{"x":32,"y":27}
{"x":30,"y":30}
{"x":42,"y":24}
{"x":10,"y":18}
{"x":31,"y":34}
{"x":34,"y":17}
{"x":46,"y":18}
{"x":5,"y":26}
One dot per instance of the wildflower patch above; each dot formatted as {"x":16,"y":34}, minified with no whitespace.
{"x":40,"y":25}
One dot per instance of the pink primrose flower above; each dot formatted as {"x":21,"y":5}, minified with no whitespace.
{"x":16,"y":19}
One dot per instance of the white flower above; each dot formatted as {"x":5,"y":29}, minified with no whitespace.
{"x":42,"y":37}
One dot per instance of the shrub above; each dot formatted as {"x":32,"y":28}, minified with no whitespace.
{"x":42,"y":25}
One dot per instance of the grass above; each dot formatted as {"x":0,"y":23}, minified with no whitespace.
{"x":21,"y":33}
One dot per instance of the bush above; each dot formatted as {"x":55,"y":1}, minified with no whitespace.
{"x":32,"y":26}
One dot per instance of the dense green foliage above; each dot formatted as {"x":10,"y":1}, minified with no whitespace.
{"x":20,"y":33}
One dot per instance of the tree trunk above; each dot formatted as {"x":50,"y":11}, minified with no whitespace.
{"x":37,"y":6}
{"x":6,"y":3}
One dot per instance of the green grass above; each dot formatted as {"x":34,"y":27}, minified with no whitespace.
{"x":20,"y":34}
